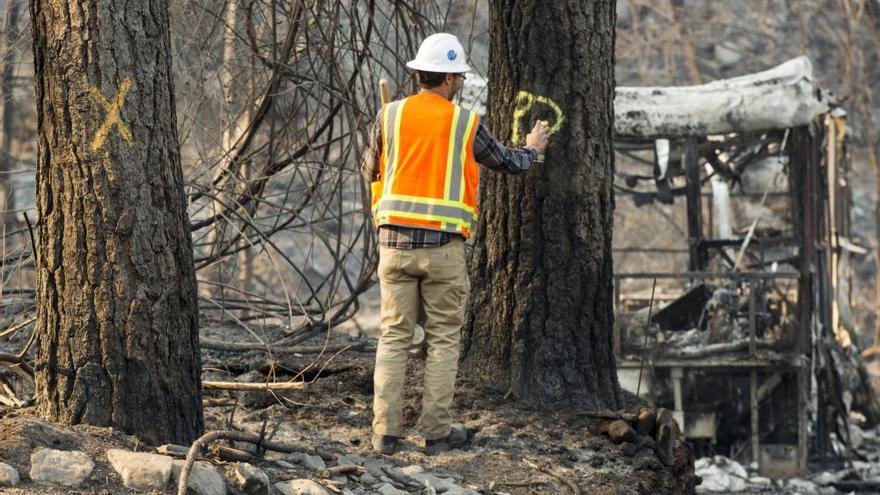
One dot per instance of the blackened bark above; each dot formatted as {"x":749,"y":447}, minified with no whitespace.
{"x":117,"y":318}
{"x":540,"y":315}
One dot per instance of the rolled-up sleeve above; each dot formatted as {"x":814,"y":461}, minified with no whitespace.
{"x":490,"y":153}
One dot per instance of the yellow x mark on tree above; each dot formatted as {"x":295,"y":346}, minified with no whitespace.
{"x":111,"y":115}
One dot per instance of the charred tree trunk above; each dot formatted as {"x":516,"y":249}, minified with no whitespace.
{"x":117,"y":318}
{"x":540,"y":316}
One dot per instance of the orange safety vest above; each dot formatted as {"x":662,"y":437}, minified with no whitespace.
{"x":428,"y":176}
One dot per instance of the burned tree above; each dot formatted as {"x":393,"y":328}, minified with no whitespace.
{"x":540,"y":317}
{"x":117,"y":321}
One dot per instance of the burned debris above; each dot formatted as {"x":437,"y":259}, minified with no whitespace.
{"x":748,"y":334}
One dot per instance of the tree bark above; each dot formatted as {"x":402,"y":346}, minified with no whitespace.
{"x":540,"y":315}
{"x":117,"y":316}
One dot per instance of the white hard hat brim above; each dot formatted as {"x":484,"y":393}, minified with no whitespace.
{"x":445,"y":68}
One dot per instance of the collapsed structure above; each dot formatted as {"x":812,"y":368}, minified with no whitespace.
{"x":751,"y":342}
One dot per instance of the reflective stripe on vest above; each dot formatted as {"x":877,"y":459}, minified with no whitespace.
{"x":391,"y":131}
{"x":451,"y":212}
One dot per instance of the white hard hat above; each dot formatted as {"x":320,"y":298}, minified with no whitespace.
{"x":440,"y":52}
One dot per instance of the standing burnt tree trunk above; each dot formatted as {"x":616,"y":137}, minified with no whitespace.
{"x":540,"y":316}
{"x":117,"y":319}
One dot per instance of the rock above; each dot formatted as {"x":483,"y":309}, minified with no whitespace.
{"x":310,"y":462}
{"x":628,"y":449}
{"x":374,"y":467}
{"x":284,"y":464}
{"x":69,"y":468}
{"x":646,"y":422}
{"x":413,"y":469}
{"x":388,"y":489}
{"x":173,"y":450}
{"x":368,"y":479}
{"x":140,"y":470}
{"x":620,"y":431}
{"x":581,"y":455}
{"x":203,"y":479}
{"x":251,"y":480}
{"x":348,"y":459}
{"x":340,"y":480}
{"x":429,"y":480}
{"x":8,"y":475}
{"x":301,"y":487}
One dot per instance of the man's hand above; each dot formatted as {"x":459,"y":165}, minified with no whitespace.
{"x":538,"y":138}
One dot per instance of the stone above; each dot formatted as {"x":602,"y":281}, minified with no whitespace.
{"x":413,"y":469}
{"x":388,"y":489}
{"x":310,"y":462}
{"x":368,"y":479}
{"x":620,"y":431}
{"x":301,"y":487}
{"x":63,"y":467}
{"x":173,"y":450}
{"x":646,"y":422}
{"x":8,"y":475}
{"x":374,"y":467}
{"x":140,"y":470}
{"x":203,"y":479}
{"x":429,"y":480}
{"x":581,"y":455}
{"x":284,"y":464}
{"x":251,"y":480}
{"x":349,"y":459}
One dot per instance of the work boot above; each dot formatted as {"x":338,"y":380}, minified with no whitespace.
{"x":457,"y":437}
{"x":385,"y":444}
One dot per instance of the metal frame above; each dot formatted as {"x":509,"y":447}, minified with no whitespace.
{"x":815,"y":242}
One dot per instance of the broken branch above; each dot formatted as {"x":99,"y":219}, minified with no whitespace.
{"x":253,"y":386}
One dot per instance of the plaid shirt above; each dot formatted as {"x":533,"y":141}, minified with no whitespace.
{"x":487,"y":151}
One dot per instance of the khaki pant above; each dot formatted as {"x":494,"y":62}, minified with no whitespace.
{"x":435,"y":279}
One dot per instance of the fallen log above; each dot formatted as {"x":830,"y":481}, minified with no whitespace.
{"x":216,"y":345}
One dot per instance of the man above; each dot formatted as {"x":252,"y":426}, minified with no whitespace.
{"x":423,"y":165}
